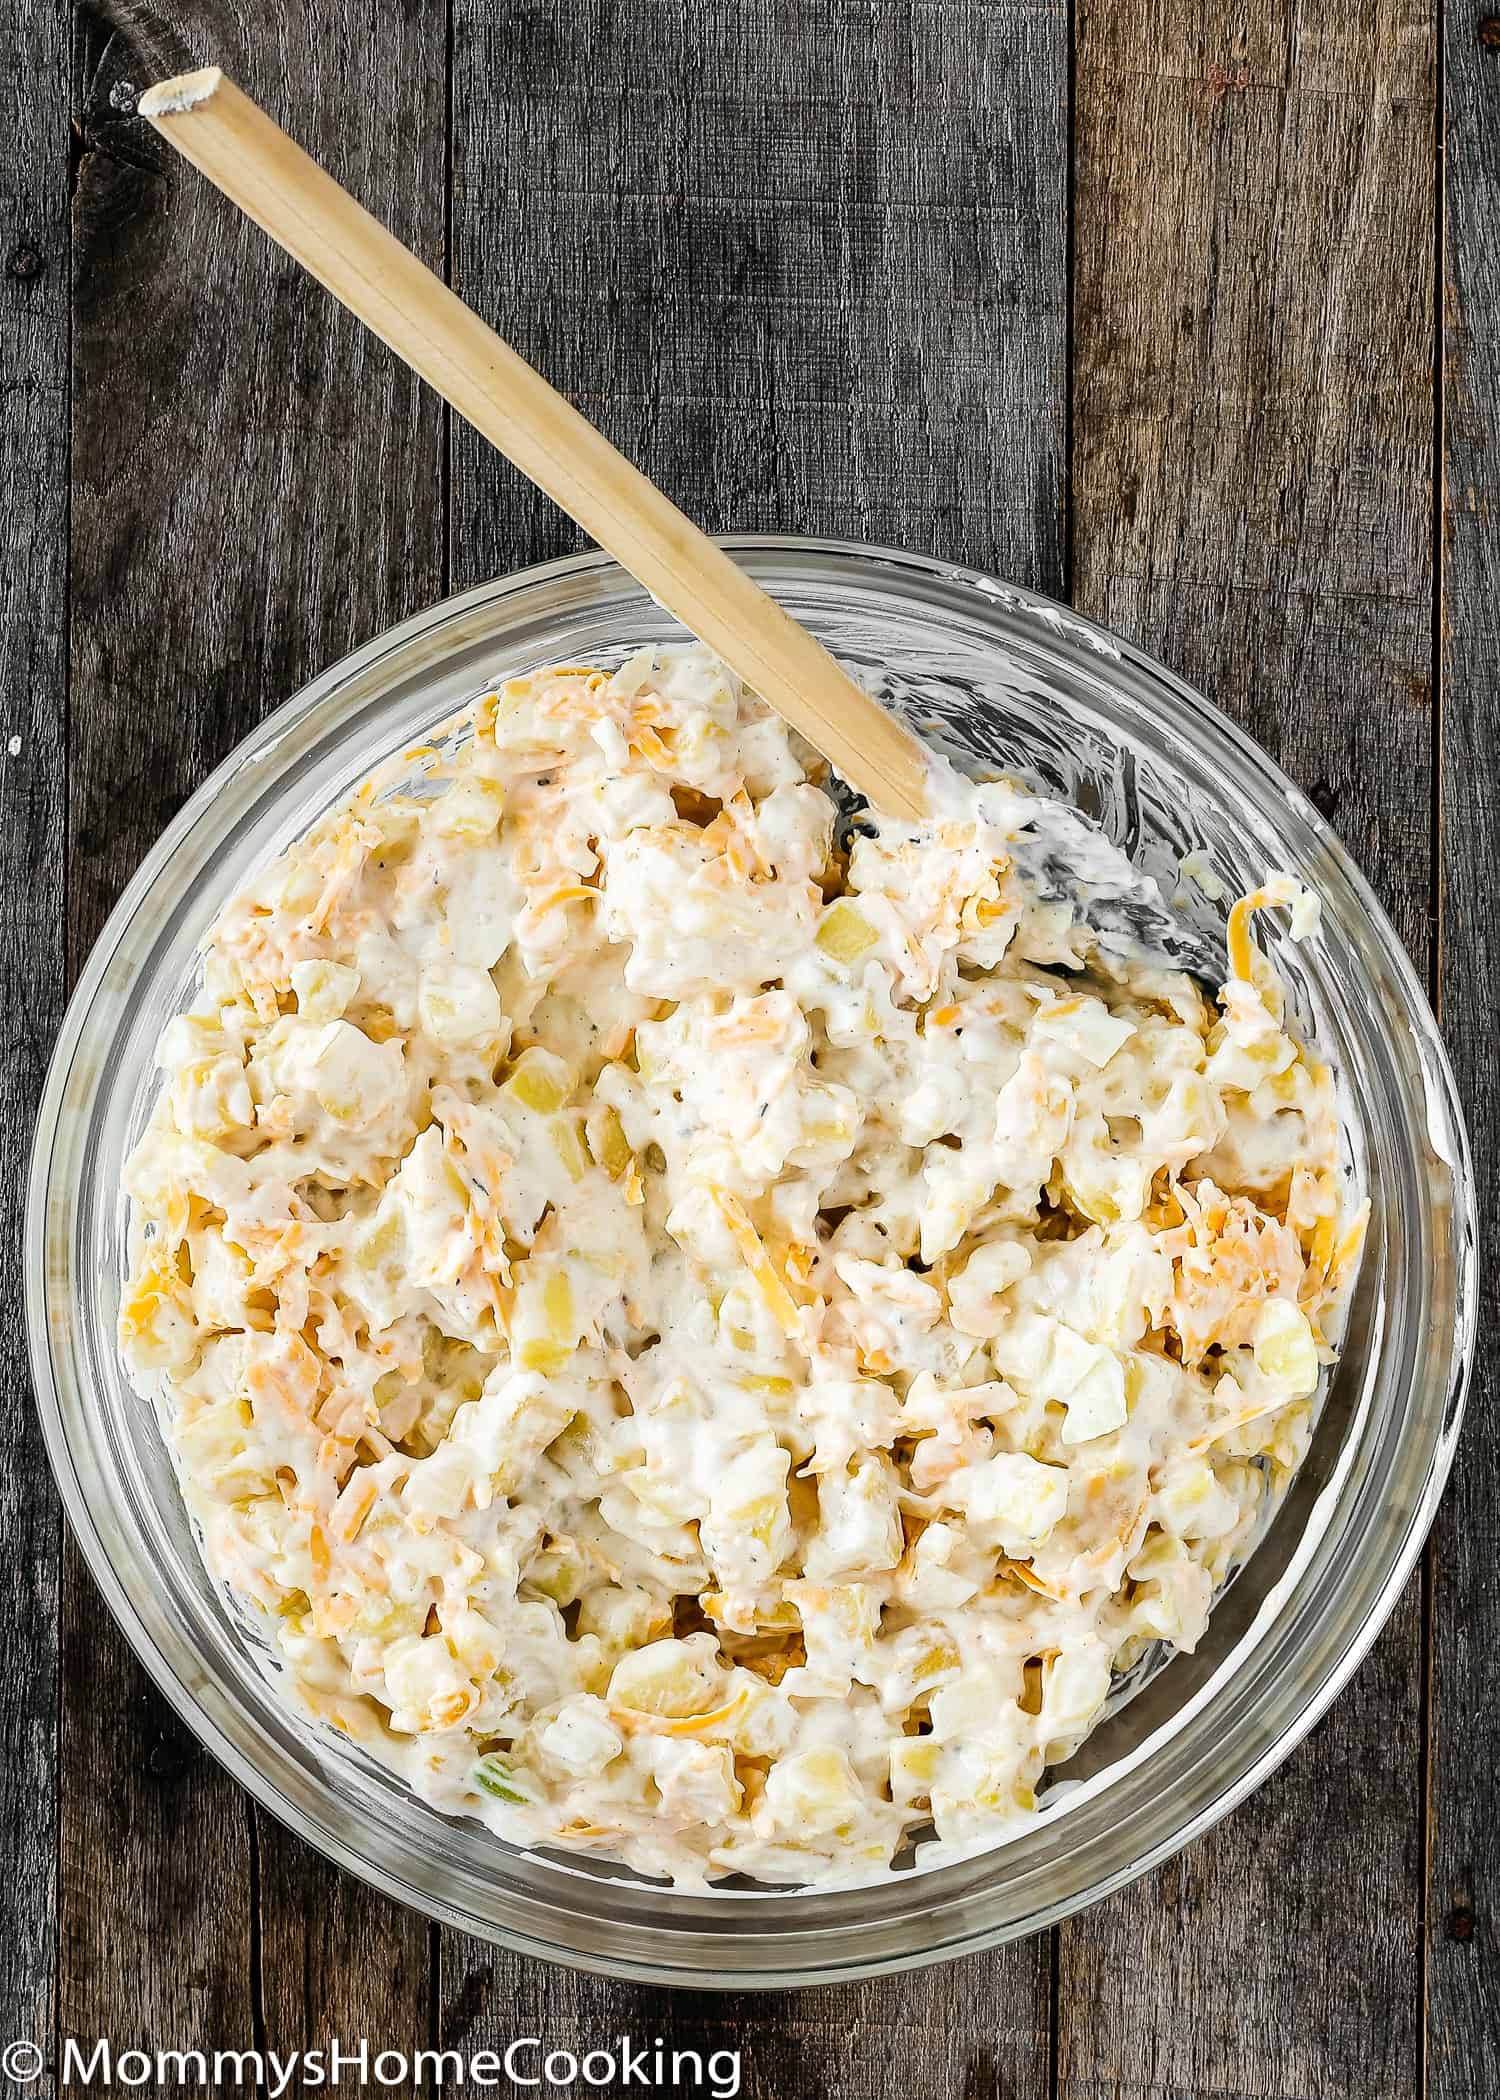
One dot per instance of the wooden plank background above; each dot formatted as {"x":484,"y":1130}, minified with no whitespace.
{"x":1133,"y":300}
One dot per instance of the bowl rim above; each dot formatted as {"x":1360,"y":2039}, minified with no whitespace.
{"x":1444,"y":1115}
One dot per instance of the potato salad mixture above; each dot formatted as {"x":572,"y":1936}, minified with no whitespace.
{"x":711,"y":1336}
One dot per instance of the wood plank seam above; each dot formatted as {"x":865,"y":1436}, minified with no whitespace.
{"x":1462,"y":1865}
{"x":1251,"y":458}
{"x":1434,"y":976}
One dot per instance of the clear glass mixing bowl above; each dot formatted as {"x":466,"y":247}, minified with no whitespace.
{"x":1008,"y":677}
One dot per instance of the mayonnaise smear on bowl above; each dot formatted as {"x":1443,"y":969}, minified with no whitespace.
{"x":712,"y":1341}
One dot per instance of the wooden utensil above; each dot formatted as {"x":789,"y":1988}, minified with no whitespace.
{"x":238,"y":147}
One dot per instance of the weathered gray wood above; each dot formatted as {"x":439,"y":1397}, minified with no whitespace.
{"x":335,"y":1959}
{"x":806,"y":265}
{"x":256,"y":488}
{"x":33,"y":791}
{"x":974,"y":2030}
{"x":1463,"y":1888}
{"x":1253,"y":427}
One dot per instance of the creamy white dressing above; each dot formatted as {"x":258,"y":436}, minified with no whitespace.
{"x":707,"y":1349}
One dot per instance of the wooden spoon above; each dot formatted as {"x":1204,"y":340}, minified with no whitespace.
{"x":238,"y":147}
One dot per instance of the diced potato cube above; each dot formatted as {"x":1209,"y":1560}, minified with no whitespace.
{"x":839,"y":1628}
{"x":747,"y":1530}
{"x":211,"y":1097}
{"x":974,"y":1293}
{"x":474,"y":1639}
{"x":438,"y":1486}
{"x":915,"y":1665}
{"x":1086,"y":1027}
{"x":1285,"y":1351}
{"x":539,"y":1081}
{"x":429,"y":1689}
{"x":186,"y":1037}
{"x":861,"y":1530}
{"x":469,"y":808}
{"x":559,"y":1574}
{"x":1191,"y":1503}
{"x":459,"y":1005}
{"x":1075,"y":1686}
{"x":695,"y":1781}
{"x":660,"y":1497}
{"x":355,"y":1080}
{"x":844,"y":933}
{"x":623,"y":1617}
{"x":157,"y":1329}
{"x":212,"y":1445}
{"x":567,"y":1138}
{"x":380,"y":1244}
{"x":813,"y":1794}
{"x":932,"y":1584}
{"x":1096,"y":1405}
{"x":914,"y":1767}
{"x":1173,"y":1591}
{"x":581,"y":1738}
{"x":1012,"y":1498}
{"x":545,"y":1328}
{"x":324,"y":989}
{"x":670,"y":1678}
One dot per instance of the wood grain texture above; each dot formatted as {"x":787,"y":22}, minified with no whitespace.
{"x":1463,"y":1890}
{"x":1253,"y":425}
{"x":33,"y":757}
{"x":804,"y":262}
{"x":335,"y":1959}
{"x":224,"y":133}
{"x":806,"y":265}
{"x":256,"y":489}
{"x":975,"y":2030}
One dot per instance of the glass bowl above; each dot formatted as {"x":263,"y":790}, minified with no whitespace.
{"x":1022,"y":683}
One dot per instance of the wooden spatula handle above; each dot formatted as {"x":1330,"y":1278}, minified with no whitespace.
{"x":250,"y":158}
